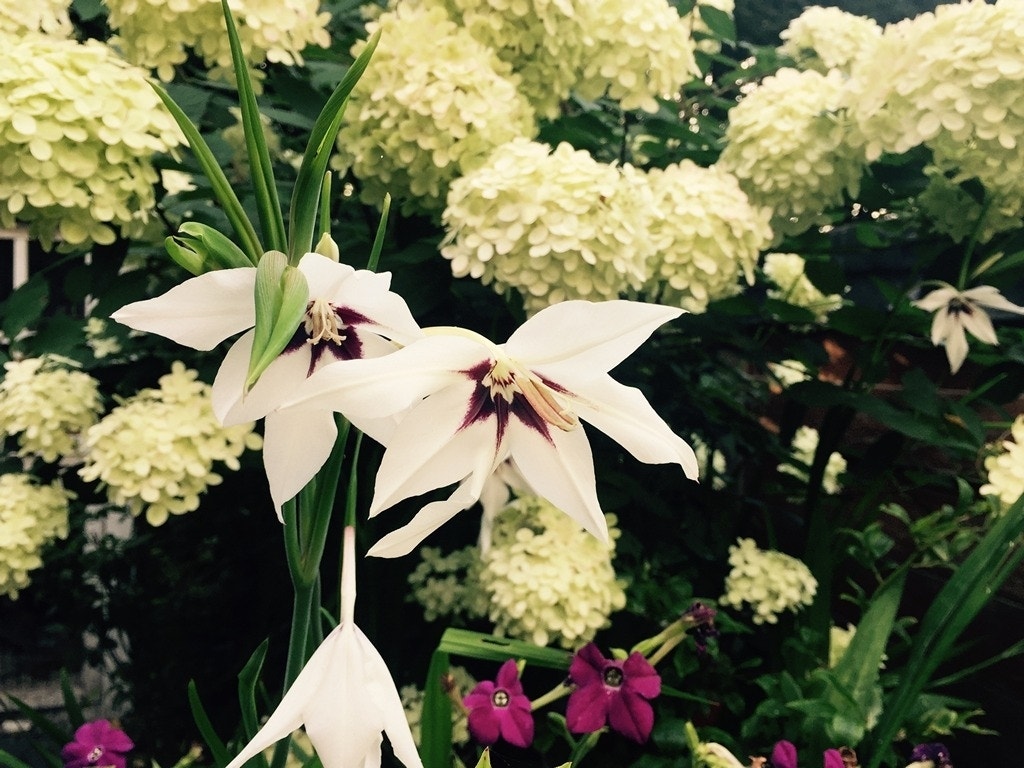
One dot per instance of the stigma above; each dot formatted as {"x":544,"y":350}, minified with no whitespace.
{"x":322,"y":323}
{"x":505,"y":379}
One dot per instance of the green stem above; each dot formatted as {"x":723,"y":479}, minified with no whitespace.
{"x":298,"y":637}
{"x":558,"y":692}
{"x":972,"y":243}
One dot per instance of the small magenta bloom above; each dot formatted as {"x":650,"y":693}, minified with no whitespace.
{"x":612,"y":692}
{"x":784,"y":756}
{"x":97,"y":744}
{"x":500,"y":709}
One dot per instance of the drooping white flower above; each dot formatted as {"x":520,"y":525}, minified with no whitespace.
{"x":959,"y":311}
{"x":344,"y":696}
{"x":351,"y":314}
{"x":472,"y":404}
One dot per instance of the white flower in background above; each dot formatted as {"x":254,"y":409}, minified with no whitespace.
{"x":705,"y":237}
{"x":98,"y":340}
{"x":838,"y":641}
{"x":1005,"y":469}
{"x":789,"y":372}
{"x":351,"y":314}
{"x":786,"y":270}
{"x":49,"y":17}
{"x":424,"y":114}
{"x":155,"y":453}
{"x":448,"y":586}
{"x":957,"y":312}
{"x":412,"y":700}
{"x":711,"y":463}
{"x":769,"y":582}
{"x":789,"y":143}
{"x":828,"y":38}
{"x":549,"y":580}
{"x":468,"y":404}
{"x":554,"y":225}
{"x":47,"y":405}
{"x":805,"y":445}
{"x":345,"y":696}
{"x":31,"y":516}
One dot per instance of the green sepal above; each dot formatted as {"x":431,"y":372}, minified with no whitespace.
{"x":199,"y":248}
{"x":281,"y":297}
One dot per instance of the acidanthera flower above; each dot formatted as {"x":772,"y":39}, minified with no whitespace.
{"x":468,"y":404}
{"x":351,"y":314}
{"x":344,"y":696}
{"x":959,"y":311}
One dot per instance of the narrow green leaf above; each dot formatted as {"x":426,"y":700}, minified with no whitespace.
{"x":378,"y":239}
{"x":71,"y":704}
{"x":302,"y":215}
{"x":10,"y":761}
{"x":222,"y":188}
{"x":248,"y":680}
{"x":261,"y":168}
{"x":218,"y":751}
{"x":476,"y":645}
{"x":52,"y":731}
{"x":436,"y":721}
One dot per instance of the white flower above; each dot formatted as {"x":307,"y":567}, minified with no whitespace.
{"x":472,"y":404}
{"x":805,"y":445}
{"x":344,"y":696}
{"x":960,"y":311}
{"x":769,"y":581}
{"x":351,"y":314}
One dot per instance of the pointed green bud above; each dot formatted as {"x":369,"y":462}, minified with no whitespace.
{"x":199,"y":248}
{"x":327,"y":247}
{"x":485,"y":759}
{"x":281,"y":298}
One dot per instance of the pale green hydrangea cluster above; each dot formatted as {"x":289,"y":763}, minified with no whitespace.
{"x":705,"y":236}
{"x":552,"y":225}
{"x":158,"y":34}
{"x":78,"y":131}
{"x":824,"y":38}
{"x":953,"y":211}
{"x":838,"y":641}
{"x":448,"y":586}
{"x":422,"y":115}
{"x":770,"y":582}
{"x":711,"y":462}
{"x":787,"y":272}
{"x":804,"y":446}
{"x":98,"y":340}
{"x":548,"y":579}
{"x":1006,"y":469}
{"x":412,"y":701}
{"x":792,"y":148}
{"x":50,"y":17}
{"x":952,"y":80}
{"x":47,"y":405}
{"x":31,"y":516}
{"x":155,"y":452}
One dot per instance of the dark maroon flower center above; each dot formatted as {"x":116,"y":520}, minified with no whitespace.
{"x":327,"y":329}
{"x":612,"y":677}
{"x":500,"y":698}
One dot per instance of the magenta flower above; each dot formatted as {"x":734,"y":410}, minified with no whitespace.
{"x":612,"y":692}
{"x":500,"y":708}
{"x":97,"y":744}
{"x":784,"y":756}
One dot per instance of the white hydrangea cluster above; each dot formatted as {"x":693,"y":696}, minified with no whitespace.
{"x":98,"y":341}
{"x":712,"y":463}
{"x":157,"y":34}
{"x":952,"y":211}
{"x":788,"y":372}
{"x":548,"y":579}
{"x":705,"y":236}
{"x":78,"y":131}
{"x":422,"y":115}
{"x":412,"y":701}
{"x":49,"y":17}
{"x":787,"y":272}
{"x":47,"y":405}
{"x":770,"y":582}
{"x":824,"y":38}
{"x":951,"y":80}
{"x":553,"y":225}
{"x":448,"y":586}
{"x":1006,"y":469}
{"x":792,"y":148}
{"x":804,"y":446}
{"x":31,"y":516}
{"x":155,"y":452}
{"x":637,"y":50}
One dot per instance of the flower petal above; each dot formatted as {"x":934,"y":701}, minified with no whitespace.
{"x":937,"y":299}
{"x":233,"y":405}
{"x":517,"y":726}
{"x":784,"y":755}
{"x":631,"y":715}
{"x":587,"y":666}
{"x":325,"y":276}
{"x":296,"y":443}
{"x":368,"y":293}
{"x":956,"y":347}
{"x":200,"y":312}
{"x":508,"y":678}
{"x":484,"y":725}
{"x":833,"y":758}
{"x":587,"y":710}
{"x":402,"y":541}
{"x":640,"y":677}
{"x":988,"y":296}
{"x":977,"y":321}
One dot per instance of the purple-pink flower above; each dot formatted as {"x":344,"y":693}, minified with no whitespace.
{"x":500,"y":709}
{"x":934,"y":753}
{"x":97,"y":744}
{"x":612,"y":692}
{"x":784,"y":756}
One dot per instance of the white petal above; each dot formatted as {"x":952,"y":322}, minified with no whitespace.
{"x":956,"y":347}
{"x":938,"y":298}
{"x":979,"y":324}
{"x":276,"y":384}
{"x":200,"y":312}
{"x":296,"y":443}
{"x":403,"y":540}
{"x":323,"y":275}
{"x":942,"y":324}
{"x":624,"y":414}
{"x":386,"y":312}
{"x":990,"y":297}
{"x":562,"y":473}
{"x":585,"y":337}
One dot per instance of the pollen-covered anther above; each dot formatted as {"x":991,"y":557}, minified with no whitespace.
{"x":543,"y":400}
{"x":322,"y":323}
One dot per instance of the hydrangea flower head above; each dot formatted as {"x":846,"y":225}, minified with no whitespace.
{"x":824,"y":38}
{"x":613,"y":692}
{"x":78,"y":132}
{"x":1005,"y":469}
{"x":548,"y":579}
{"x":770,"y":582}
{"x":97,"y":744}
{"x":804,"y":446}
{"x":49,"y":17}
{"x":786,"y":271}
{"x":155,"y":453}
{"x":500,"y":709}
{"x":422,"y":115}
{"x":31,"y":516}
{"x":449,"y":585}
{"x":554,"y":225}
{"x":456,"y":679}
{"x":47,"y":405}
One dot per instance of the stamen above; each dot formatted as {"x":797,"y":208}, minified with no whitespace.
{"x":612,"y":676}
{"x":500,"y":698}
{"x":542,"y":399}
{"x":322,"y":323}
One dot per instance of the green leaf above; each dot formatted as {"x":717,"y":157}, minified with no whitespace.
{"x":378,"y":239}
{"x":52,"y":731}
{"x":476,"y":645}
{"x":302,"y":215}
{"x":281,"y":297}
{"x":436,"y":721}
{"x":718,"y":21}
{"x":261,"y":168}
{"x":218,"y":751}
{"x":25,"y":306}
{"x":10,"y":761}
{"x":248,"y":680}
{"x":71,"y":705}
